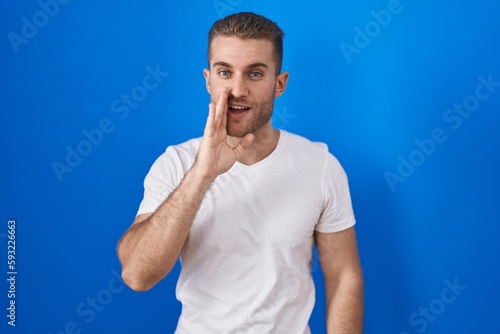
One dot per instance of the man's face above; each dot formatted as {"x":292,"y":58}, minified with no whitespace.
{"x":247,"y":67}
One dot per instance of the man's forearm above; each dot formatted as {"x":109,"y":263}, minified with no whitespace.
{"x":149,"y":249}
{"x":345,"y":306}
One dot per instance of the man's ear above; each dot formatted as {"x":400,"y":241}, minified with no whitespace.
{"x":281,"y":81}
{"x":206,"y":74}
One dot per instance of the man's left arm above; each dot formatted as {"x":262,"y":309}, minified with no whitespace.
{"x":338,"y":253}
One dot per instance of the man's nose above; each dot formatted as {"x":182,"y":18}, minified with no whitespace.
{"x":238,"y":87}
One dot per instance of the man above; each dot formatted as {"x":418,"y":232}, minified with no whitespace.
{"x":243,"y":205}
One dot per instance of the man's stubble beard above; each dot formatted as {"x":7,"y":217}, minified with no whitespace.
{"x":258,"y":116}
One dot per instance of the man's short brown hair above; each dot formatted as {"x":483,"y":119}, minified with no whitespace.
{"x":248,"y":25}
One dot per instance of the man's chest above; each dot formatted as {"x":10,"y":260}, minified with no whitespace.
{"x":248,"y":211}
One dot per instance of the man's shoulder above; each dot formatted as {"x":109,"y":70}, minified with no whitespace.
{"x":309,"y":152}
{"x":188,"y":145}
{"x":186,"y":149}
{"x":298,"y":142}
{"x":182,"y":154}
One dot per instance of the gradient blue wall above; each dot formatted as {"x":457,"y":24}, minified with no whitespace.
{"x":406,"y":94}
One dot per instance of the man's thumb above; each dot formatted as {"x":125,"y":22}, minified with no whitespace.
{"x":245,"y":143}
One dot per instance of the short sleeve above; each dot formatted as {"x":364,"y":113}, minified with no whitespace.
{"x":337,"y":214}
{"x":163,"y":177}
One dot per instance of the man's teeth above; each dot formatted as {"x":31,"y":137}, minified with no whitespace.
{"x":237,"y":107}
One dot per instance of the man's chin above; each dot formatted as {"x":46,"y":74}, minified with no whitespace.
{"x":237,"y":133}
{"x":241,"y":129}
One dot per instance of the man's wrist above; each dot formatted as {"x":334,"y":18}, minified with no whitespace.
{"x":199,"y":178}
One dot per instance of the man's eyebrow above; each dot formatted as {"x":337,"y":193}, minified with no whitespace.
{"x":252,"y":65}
{"x":221,"y":63}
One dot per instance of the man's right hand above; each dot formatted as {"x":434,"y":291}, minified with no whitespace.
{"x":151,"y":246}
{"x":215,"y":156}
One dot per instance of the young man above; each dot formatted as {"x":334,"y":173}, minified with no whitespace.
{"x":243,"y":205}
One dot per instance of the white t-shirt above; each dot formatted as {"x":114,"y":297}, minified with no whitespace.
{"x":246,"y":264}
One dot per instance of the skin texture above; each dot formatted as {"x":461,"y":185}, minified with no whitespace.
{"x":338,"y":253}
{"x":233,"y":66}
{"x":241,"y":73}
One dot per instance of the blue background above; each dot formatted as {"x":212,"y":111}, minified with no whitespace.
{"x":440,"y":226}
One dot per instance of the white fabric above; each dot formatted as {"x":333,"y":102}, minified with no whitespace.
{"x":246,"y":265}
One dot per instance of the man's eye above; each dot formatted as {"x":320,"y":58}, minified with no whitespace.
{"x":224,"y":73}
{"x":255,"y":74}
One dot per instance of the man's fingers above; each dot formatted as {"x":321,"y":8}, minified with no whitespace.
{"x":222,"y":108}
{"x":217,"y":115}
{"x":209,"y":126}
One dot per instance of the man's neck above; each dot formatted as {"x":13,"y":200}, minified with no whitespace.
{"x":264,"y":143}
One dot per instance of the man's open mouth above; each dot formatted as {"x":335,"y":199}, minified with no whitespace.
{"x":238,"y":110}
